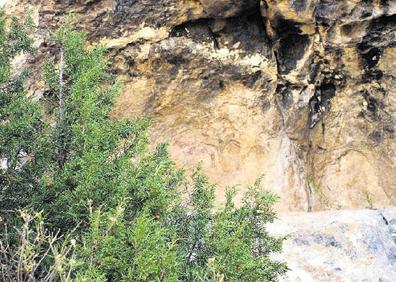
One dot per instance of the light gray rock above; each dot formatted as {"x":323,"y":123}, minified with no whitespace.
{"x":355,"y":245}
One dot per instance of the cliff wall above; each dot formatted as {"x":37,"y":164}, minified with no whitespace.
{"x":300,"y":91}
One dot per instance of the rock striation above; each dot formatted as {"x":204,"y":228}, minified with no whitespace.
{"x":300,"y":91}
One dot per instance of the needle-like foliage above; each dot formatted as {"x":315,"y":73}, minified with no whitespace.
{"x":120,"y":202}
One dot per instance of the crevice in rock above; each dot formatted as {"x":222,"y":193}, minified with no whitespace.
{"x":384,"y":219}
{"x":198,"y":30}
{"x":320,"y":102}
{"x":245,"y":30}
{"x":370,"y":55}
{"x":284,"y":27}
{"x":288,"y":43}
{"x":134,"y":13}
{"x":225,"y":9}
{"x":371,"y":111}
{"x":314,"y":71}
{"x":287,"y":56}
{"x":373,"y":44}
{"x":327,"y":92}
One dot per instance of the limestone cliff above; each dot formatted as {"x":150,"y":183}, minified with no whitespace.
{"x":302,"y":91}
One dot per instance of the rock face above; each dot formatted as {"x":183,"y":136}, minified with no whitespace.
{"x":336,"y":91}
{"x":339,"y":245}
{"x":301,"y":91}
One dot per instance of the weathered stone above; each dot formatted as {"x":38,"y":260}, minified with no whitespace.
{"x":300,"y":91}
{"x":338,"y":245}
{"x":228,"y":8}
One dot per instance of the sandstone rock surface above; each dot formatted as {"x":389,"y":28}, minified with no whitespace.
{"x":301,"y":91}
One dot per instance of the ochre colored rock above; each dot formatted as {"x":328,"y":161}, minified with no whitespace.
{"x":301,"y":92}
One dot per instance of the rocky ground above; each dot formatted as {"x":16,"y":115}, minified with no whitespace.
{"x":357,"y":245}
{"x":300,"y":91}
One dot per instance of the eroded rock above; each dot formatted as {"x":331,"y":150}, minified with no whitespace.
{"x":339,"y":245}
{"x":300,"y":91}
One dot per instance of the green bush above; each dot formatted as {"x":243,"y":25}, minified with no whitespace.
{"x":96,"y":181}
{"x":228,"y":243}
{"x":20,"y":120}
{"x":117,"y":250}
